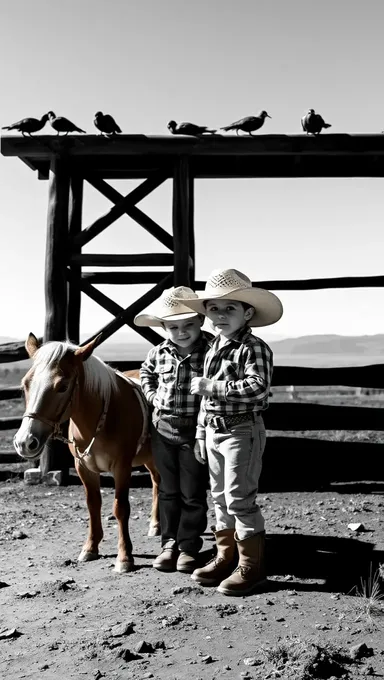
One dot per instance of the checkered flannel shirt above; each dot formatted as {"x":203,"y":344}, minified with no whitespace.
{"x":166,"y":378}
{"x":241,"y":371}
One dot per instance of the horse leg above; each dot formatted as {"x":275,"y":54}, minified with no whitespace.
{"x":154,"y":523}
{"x":121,"y":510}
{"x":91,"y":483}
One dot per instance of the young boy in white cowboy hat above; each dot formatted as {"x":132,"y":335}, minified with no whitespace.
{"x":166,"y":376}
{"x":230,"y":432}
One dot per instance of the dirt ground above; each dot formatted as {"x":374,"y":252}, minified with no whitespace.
{"x":60,"y":620}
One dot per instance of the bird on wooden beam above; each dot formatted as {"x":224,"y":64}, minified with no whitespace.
{"x":28,"y":125}
{"x":105,"y":123}
{"x":312,"y":123}
{"x":61,"y":124}
{"x":188,"y":129}
{"x":248,"y":124}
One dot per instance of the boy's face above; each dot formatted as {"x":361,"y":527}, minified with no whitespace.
{"x":227,"y":316}
{"x":184,"y":332}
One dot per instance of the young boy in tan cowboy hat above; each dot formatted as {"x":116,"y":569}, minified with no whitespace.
{"x":166,"y":376}
{"x":230,"y":431}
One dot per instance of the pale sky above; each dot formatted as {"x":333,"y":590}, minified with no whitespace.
{"x":209,"y":62}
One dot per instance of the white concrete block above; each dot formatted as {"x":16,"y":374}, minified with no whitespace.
{"x":32,"y":476}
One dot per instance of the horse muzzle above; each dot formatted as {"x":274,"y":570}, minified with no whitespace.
{"x":29,"y":441}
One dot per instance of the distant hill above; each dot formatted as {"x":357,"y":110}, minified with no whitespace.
{"x":331,"y":344}
{"x":306,"y":350}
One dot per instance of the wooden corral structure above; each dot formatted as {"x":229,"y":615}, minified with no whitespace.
{"x":68,"y":162}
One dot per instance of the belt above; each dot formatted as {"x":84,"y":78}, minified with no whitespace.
{"x":230,"y":421}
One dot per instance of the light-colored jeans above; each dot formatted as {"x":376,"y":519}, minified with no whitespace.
{"x":235,"y":460}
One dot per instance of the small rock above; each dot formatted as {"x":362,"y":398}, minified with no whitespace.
{"x":288,"y":577}
{"x":3,"y":584}
{"x":369,"y":670}
{"x":148,"y":675}
{"x":280,"y":619}
{"x":226,"y":668}
{"x":123,"y":629}
{"x":171,"y":620}
{"x":27,"y":594}
{"x":360,"y":651}
{"x":356,"y":526}
{"x":322,"y":626}
{"x":186,"y":590}
{"x":207,"y":659}
{"x":127,"y":655}
{"x":10,"y":633}
{"x":252,"y":661}
{"x":19,"y":535}
{"x":144,"y":647}
{"x":98,"y":674}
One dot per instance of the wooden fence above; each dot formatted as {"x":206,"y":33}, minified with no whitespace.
{"x":295,"y":459}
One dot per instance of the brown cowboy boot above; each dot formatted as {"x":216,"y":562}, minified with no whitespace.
{"x":250,"y":574}
{"x":222,"y":564}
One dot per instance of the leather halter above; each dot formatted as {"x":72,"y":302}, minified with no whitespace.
{"x":56,"y":426}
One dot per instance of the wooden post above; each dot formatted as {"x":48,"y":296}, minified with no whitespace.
{"x":56,"y":282}
{"x":74,"y":293}
{"x":181,"y":218}
{"x":191,"y":229}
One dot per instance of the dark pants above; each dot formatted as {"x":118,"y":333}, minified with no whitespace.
{"x":182,"y":491}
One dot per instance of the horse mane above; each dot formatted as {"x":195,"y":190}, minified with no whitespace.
{"x":98,"y":377}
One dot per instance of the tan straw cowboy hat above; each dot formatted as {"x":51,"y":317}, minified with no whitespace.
{"x":233,"y":285}
{"x":171,"y":307}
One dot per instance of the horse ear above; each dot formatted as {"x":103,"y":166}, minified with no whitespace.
{"x":85,"y":351}
{"x":32,"y":345}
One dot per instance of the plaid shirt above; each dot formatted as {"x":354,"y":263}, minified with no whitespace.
{"x":241,"y":371}
{"x":166,"y":378}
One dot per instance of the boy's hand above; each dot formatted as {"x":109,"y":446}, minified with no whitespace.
{"x":200,"y":451}
{"x":202,"y":386}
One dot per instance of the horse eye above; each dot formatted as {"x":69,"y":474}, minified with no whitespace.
{"x":63,"y":387}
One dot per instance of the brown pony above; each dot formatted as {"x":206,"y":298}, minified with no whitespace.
{"x":107,"y":431}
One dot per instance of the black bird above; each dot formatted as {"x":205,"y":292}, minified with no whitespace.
{"x":188,"y":129}
{"x":61,"y":124}
{"x":105,"y":123}
{"x":28,"y":125}
{"x":248,"y":124}
{"x":312,"y":123}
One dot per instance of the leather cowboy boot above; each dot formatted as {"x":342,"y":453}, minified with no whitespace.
{"x":222,"y":564}
{"x":250,"y":573}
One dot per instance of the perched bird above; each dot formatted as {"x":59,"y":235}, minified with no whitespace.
{"x":312,"y":123}
{"x":105,"y":123}
{"x":61,"y":124}
{"x":28,"y":125}
{"x":248,"y":124}
{"x":188,"y":129}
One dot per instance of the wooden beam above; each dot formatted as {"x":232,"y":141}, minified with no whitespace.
{"x":119,"y":278}
{"x":10,"y":393}
{"x":351,"y":376}
{"x":316,"y":284}
{"x":74,"y":295}
{"x":181,"y":218}
{"x":56,"y":251}
{"x":132,"y":210}
{"x":191,"y":230}
{"x":10,"y":423}
{"x":138,"y":260}
{"x":291,"y":416}
{"x":121,"y":204}
{"x":125,"y":316}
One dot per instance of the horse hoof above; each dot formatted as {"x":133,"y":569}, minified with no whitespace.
{"x":154,"y":530}
{"x":87,"y":556}
{"x":123,"y":567}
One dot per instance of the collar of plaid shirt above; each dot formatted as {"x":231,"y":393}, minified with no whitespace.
{"x":238,"y":337}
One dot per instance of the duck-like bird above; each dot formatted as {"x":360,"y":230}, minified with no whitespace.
{"x":312,"y":123}
{"x":188,"y":129}
{"x":61,"y":124}
{"x":28,"y":125}
{"x":248,"y":124}
{"x":105,"y":123}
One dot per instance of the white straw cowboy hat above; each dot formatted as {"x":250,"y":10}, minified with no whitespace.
{"x":171,"y":307}
{"x":233,"y":285}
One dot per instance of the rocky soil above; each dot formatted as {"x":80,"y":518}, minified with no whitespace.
{"x":60,"y":620}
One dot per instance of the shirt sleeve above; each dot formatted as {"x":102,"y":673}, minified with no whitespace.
{"x":255,"y":385}
{"x":148,"y":377}
{"x":200,"y":428}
